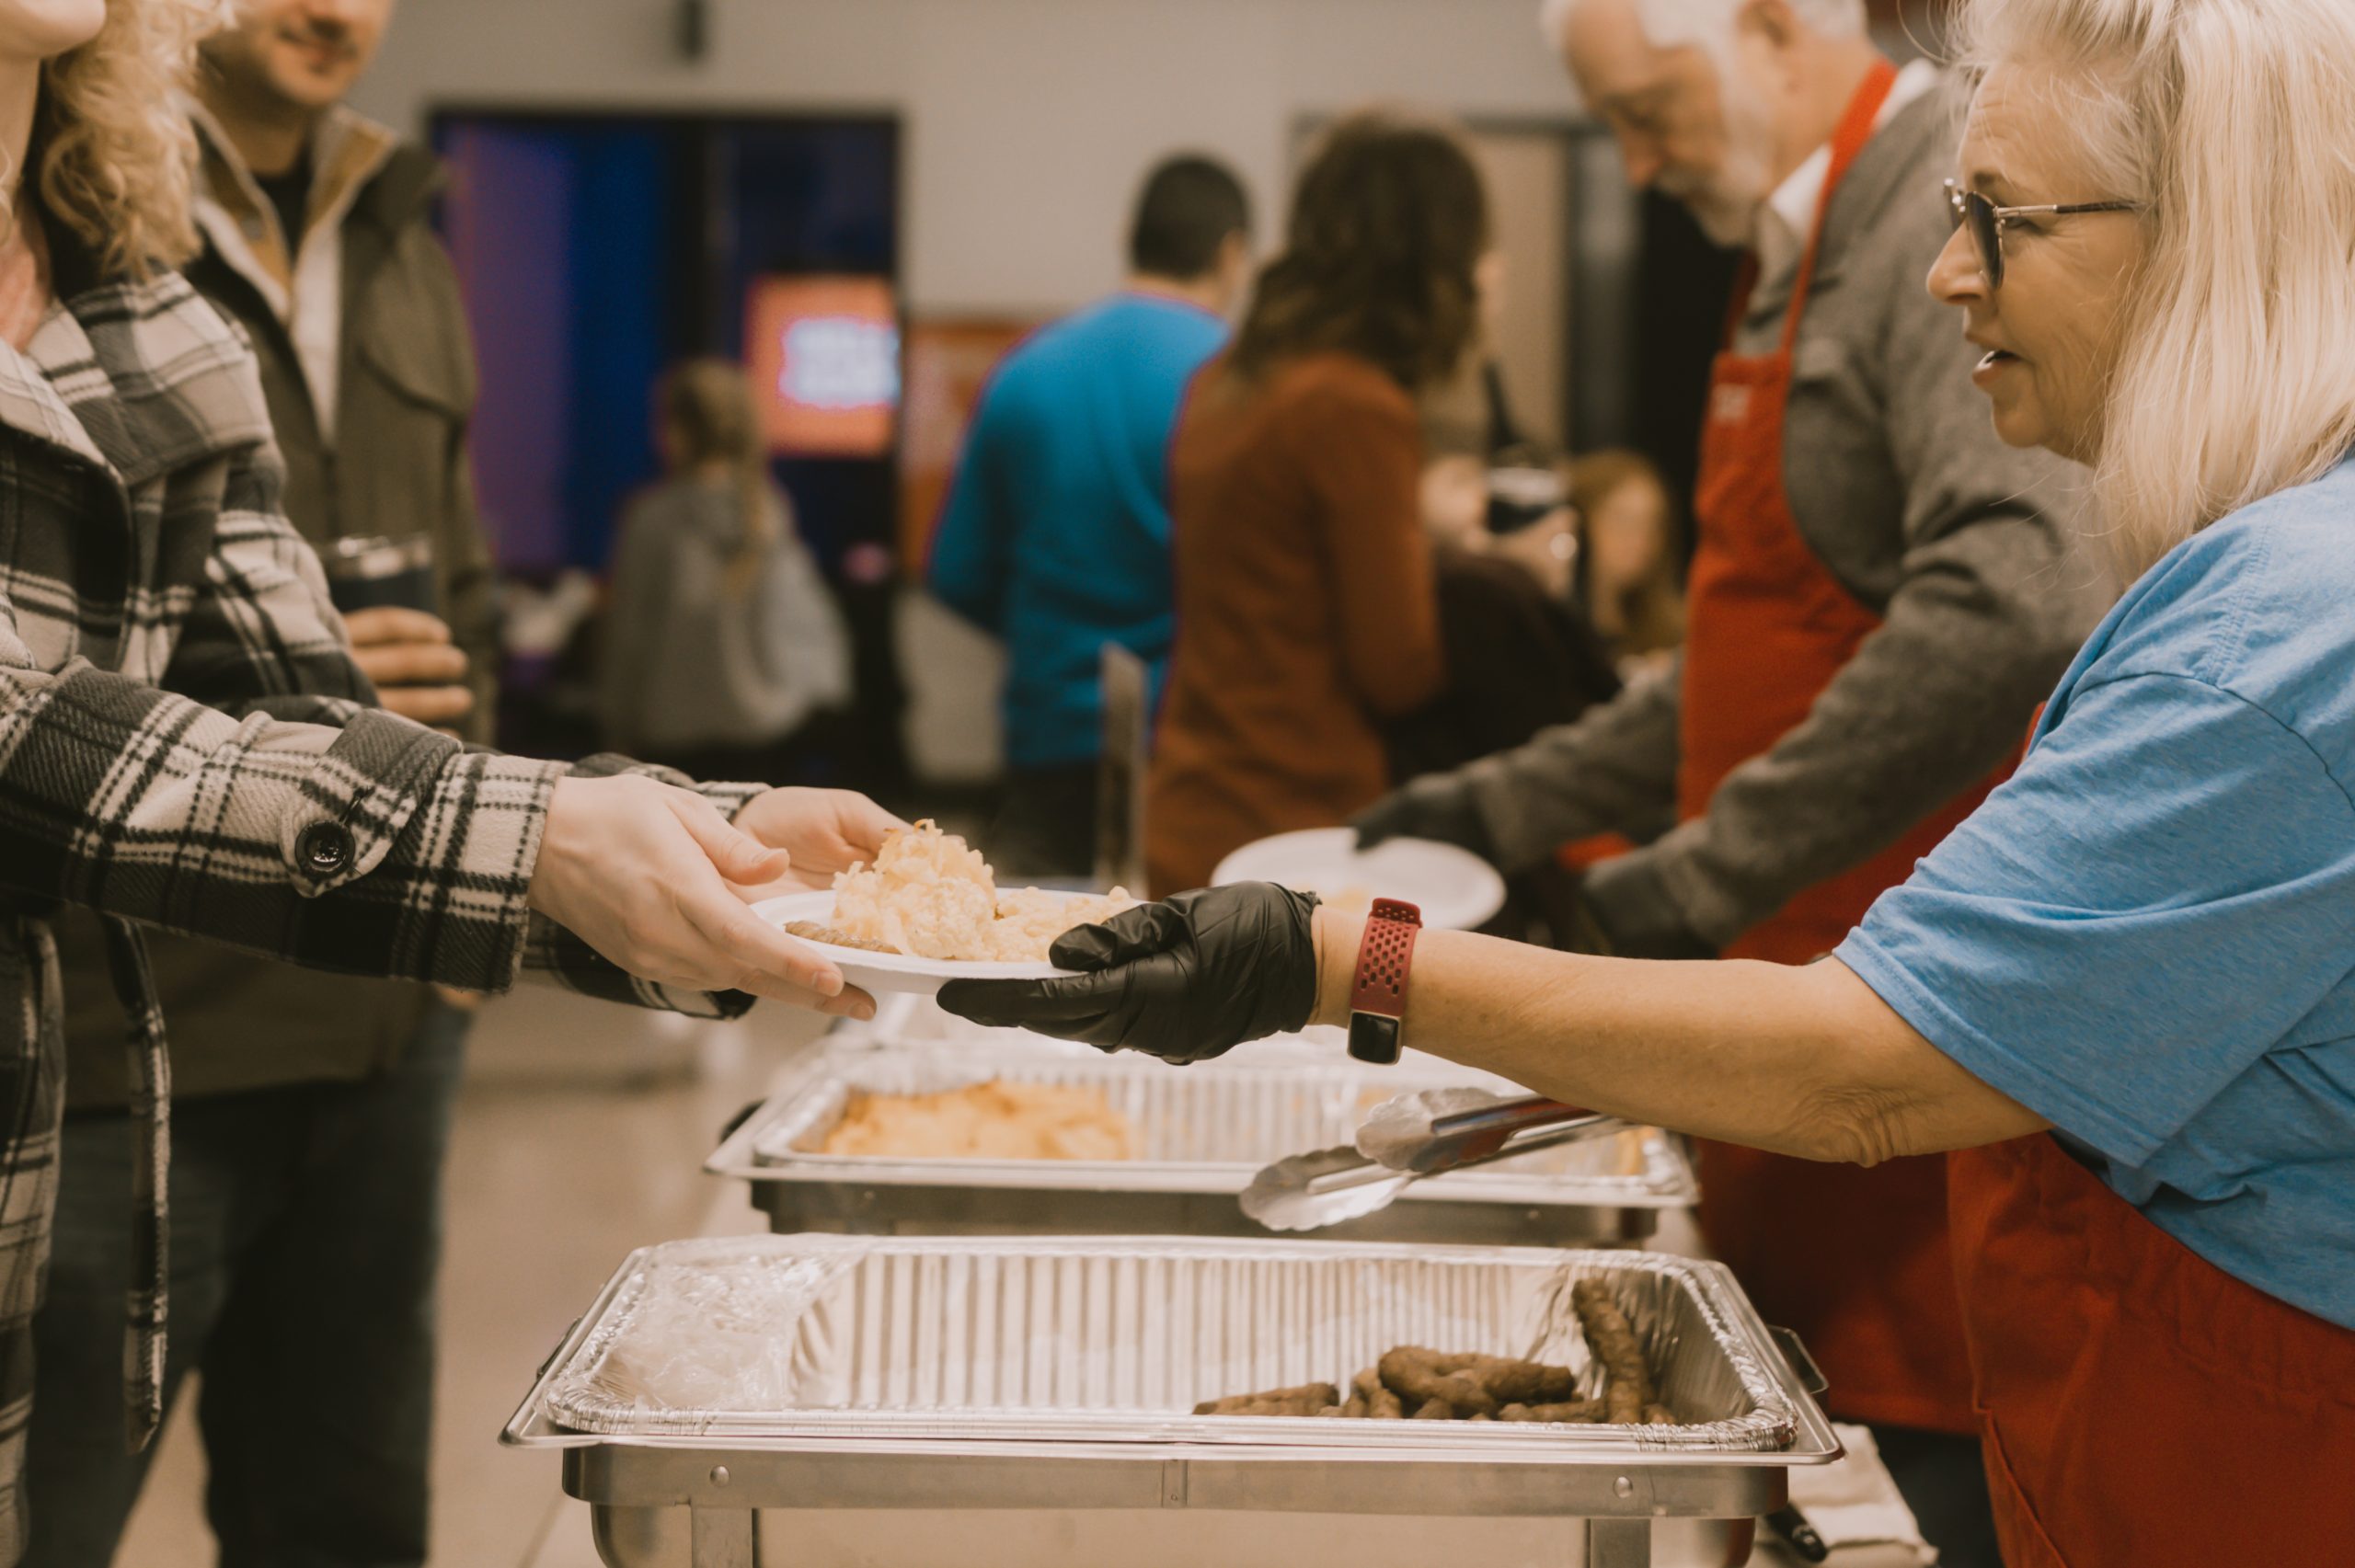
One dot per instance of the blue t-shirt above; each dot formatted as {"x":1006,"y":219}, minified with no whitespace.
{"x":1055,"y":536}
{"x":2147,"y":936}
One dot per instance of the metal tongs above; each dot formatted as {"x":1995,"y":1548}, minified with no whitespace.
{"x":1406,"y":1140}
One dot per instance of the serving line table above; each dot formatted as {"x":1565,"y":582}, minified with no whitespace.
{"x":742,"y":1500}
{"x":943,"y":1382}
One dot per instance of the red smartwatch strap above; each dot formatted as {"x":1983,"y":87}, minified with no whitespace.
{"x":1378,"y":992}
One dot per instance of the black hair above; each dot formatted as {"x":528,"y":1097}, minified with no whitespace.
{"x":1189,"y":204}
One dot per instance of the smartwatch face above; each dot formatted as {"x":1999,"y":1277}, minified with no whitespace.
{"x":1374,"y":1038}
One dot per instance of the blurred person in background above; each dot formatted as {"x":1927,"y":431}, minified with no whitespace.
{"x":1518,"y":652}
{"x":1477,"y":490}
{"x":1626,"y":562}
{"x":1054,"y":537}
{"x":1308,"y":614}
{"x":188,"y":743}
{"x":314,"y":1107}
{"x":1453,"y":492}
{"x":721,"y":640}
{"x":1880,"y":596}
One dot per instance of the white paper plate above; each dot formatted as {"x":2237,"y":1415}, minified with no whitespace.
{"x":1456,"y":889}
{"x":878,"y":972}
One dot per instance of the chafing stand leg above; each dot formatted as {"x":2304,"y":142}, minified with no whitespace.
{"x":723,"y":1537}
{"x":1610,"y":1543}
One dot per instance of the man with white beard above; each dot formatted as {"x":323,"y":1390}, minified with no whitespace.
{"x":1881,"y":594}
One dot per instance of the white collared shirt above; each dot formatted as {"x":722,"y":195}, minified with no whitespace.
{"x":1789,"y":214}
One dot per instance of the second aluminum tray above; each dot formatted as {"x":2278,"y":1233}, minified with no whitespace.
{"x":1205,"y":1129}
{"x":1027,"y":1404}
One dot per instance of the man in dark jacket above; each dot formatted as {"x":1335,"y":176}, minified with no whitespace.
{"x":312,"y":1109}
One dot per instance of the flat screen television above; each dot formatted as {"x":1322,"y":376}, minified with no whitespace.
{"x":823,"y":353}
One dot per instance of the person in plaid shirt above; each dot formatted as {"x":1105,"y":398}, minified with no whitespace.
{"x":185,"y":740}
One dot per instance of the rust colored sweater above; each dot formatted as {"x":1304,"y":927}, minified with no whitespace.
{"x":1306,"y":611}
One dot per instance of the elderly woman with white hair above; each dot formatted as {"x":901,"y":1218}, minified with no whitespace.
{"x":2123,"y":992}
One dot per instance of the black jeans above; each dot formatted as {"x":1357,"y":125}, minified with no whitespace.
{"x":305,"y":1241}
{"x":1944,"y":1481}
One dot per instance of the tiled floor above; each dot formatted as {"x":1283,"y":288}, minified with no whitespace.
{"x":581,"y":1134}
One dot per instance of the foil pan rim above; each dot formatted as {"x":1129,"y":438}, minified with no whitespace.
{"x":1772,"y":1426}
{"x":1665,"y":1181}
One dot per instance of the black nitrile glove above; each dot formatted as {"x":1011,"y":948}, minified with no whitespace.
{"x":1437,"y":805}
{"x":1185,"y":980}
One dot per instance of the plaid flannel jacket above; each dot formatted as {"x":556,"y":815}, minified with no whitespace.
{"x":185,"y":742}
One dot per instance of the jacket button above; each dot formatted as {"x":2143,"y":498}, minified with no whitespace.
{"x":325,"y":849}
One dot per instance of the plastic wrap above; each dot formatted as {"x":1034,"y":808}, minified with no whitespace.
{"x":705,"y":1330}
{"x":1108,"y":1341}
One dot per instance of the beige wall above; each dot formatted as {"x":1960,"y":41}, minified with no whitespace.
{"x":1528,"y":177}
{"x":1027,"y":124}
{"x":1028,"y":121}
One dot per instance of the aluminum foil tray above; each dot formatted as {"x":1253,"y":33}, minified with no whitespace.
{"x":846,"y":1342}
{"x":1204,"y":1129}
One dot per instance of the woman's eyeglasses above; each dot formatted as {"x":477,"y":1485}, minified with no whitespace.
{"x":1987,"y":221}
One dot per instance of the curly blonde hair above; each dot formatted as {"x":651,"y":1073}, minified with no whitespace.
{"x":114,"y":151}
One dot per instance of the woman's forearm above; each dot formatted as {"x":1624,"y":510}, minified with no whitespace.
{"x":1805,"y":1060}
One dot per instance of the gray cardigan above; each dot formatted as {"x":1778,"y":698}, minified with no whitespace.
{"x":1964,"y":546}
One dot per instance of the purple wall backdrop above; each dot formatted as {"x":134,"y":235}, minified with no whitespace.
{"x":520,"y":316}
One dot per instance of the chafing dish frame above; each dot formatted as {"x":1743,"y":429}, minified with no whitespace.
{"x":1615,"y":1493}
{"x":1500,"y":1205}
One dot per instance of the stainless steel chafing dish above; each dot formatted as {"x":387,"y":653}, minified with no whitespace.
{"x":727,"y":1403}
{"x":1205,"y":1131}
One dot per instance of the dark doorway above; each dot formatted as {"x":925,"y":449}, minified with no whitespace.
{"x":595,"y":249}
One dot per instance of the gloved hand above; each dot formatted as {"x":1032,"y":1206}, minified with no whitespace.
{"x":1185,"y":980}
{"x":1437,"y":805}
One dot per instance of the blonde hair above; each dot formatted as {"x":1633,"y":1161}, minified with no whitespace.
{"x":114,"y":151}
{"x":2229,"y":120}
{"x":708,"y":405}
{"x":1649,"y":612}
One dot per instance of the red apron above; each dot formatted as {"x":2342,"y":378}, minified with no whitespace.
{"x":2139,"y":1407}
{"x":1855,"y":1260}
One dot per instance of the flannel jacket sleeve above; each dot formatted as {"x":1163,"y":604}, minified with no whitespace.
{"x":254,"y":796}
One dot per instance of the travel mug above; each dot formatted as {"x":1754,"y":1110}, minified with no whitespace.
{"x":367,"y":573}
